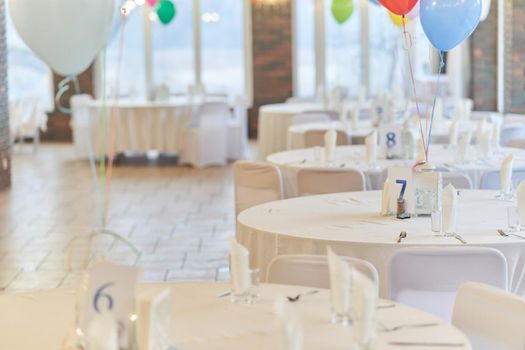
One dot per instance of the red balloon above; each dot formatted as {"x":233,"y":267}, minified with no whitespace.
{"x":399,"y":7}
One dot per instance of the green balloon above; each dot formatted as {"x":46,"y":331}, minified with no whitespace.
{"x":342,"y":10}
{"x":166,"y":11}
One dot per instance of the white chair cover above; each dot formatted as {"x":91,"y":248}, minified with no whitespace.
{"x":256,"y":183}
{"x":428,"y":278}
{"x":516,"y":143}
{"x":314,"y":138}
{"x":491,"y":318}
{"x":510,"y":132}
{"x":311,"y":270}
{"x":81,"y":124}
{"x":298,"y":99}
{"x":458,"y":180}
{"x":206,"y":143}
{"x":304,"y":118}
{"x":311,"y":181}
{"x":490,"y":179}
{"x":334,"y":115}
{"x":238,"y":130}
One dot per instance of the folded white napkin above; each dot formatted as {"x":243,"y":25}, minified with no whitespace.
{"x":239,"y":267}
{"x":371,"y":148}
{"x":290,"y":323}
{"x":355,"y":116}
{"x":496,"y":135}
{"x":486,"y":144}
{"x":464,"y":143}
{"x":364,"y":301}
{"x":450,"y":206}
{"x":330,"y":142}
{"x":343,"y":113}
{"x":340,"y":283}
{"x":153,"y":325}
{"x":480,"y":129}
{"x":385,"y":199}
{"x":453,"y":133}
{"x":520,"y":193}
{"x":505,"y":174}
{"x":102,"y":333}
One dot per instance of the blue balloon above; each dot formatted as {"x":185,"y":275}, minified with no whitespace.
{"x":448,"y":22}
{"x":375,"y":2}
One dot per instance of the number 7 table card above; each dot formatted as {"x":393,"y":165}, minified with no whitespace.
{"x":401,"y":185}
{"x":111,"y":289}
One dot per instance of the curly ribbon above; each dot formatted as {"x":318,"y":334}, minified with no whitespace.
{"x":408,"y":45}
{"x":62,"y":88}
{"x":441,"y":66}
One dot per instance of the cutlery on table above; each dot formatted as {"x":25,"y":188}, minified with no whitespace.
{"x":459,"y":238}
{"x":224,"y":294}
{"x":507,"y":234}
{"x":413,"y":325}
{"x":387,"y":306}
{"x":429,"y":344}
{"x":298,"y":296}
{"x":402,"y":235}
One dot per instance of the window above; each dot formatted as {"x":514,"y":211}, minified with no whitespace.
{"x":209,"y":51}
{"x":28,"y":76}
{"x":305,"y":48}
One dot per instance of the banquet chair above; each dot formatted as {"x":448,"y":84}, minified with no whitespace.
{"x":334,"y":115}
{"x":314,"y":138}
{"x":237,"y":130}
{"x":81,"y":125}
{"x":205,"y":142}
{"x":256,"y":183}
{"x":311,"y":270}
{"x":305,"y":118}
{"x":490,"y":179}
{"x":490,"y":318}
{"x":458,"y":180}
{"x":311,"y":181}
{"x":516,"y":143}
{"x":511,"y":131}
{"x":428,"y":278}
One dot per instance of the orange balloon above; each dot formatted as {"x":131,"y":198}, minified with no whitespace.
{"x":398,"y":20}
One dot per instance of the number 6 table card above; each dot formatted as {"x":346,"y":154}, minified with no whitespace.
{"x":111,"y":289}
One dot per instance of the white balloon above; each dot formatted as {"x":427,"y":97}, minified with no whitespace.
{"x":485,"y":9}
{"x":66,"y":34}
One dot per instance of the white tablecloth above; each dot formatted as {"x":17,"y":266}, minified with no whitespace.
{"x":290,"y":162}
{"x":274,"y":121}
{"x":203,"y":321}
{"x":351,"y":224}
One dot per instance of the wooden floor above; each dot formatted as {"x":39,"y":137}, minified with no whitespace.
{"x":178,"y":217}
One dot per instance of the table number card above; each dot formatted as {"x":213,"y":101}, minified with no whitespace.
{"x":401,"y":186}
{"x":427,"y":192}
{"x":390,"y":140}
{"x":111,"y":289}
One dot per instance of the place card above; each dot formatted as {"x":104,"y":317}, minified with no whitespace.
{"x":401,"y":186}
{"x":427,"y":192}
{"x":154,"y":319}
{"x":111,"y":289}
{"x":391,"y":140}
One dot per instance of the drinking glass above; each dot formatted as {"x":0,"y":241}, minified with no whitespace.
{"x":340,"y":304}
{"x":246,"y":291}
{"x":512,"y":219}
{"x":435,"y":222}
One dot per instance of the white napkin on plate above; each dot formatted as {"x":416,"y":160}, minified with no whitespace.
{"x":239,"y":267}
{"x":453,"y":133}
{"x":290,"y":323}
{"x":486,"y":144}
{"x":480,"y":129}
{"x":371,"y":148}
{"x":505,"y":174}
{"x":340,"y":283}
{"x":496,"y":135}
{"x":464,"y":143}
{"x":364,"y":302}
{"x":102,"y":333}
{"x":385,"y":199}
{"x":450,"y":207}
{"x":520,"y":193}
{"x":330,"y":142}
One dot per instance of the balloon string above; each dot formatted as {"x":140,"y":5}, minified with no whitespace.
{"x":411,"y":70}
{"x":441,"y":66}
{"x":115,"y":115}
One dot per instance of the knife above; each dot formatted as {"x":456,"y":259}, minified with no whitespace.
{"x":430,"y":344}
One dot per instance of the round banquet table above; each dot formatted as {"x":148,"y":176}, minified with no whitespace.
{"x":274,"y":121}
{"x":356,"y":136}
{"x":354,"y":156}
{"x":351,"y":223}
{"x":201,"y":320}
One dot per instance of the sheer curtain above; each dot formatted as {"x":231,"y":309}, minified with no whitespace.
{"x":304,"y":47}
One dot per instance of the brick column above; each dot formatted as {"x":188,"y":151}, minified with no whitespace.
{"x":272,"y":56}
{"x":5,"y":142}
{"x":58,"y":125}
{"x":516,"y":59}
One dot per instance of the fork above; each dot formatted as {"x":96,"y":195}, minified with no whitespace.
{"x":414,"y":325}
{"x":506,"y":234}
{"x":459,"y":238}
{"x":402,"y":235}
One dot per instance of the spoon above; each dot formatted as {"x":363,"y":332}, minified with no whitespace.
{"x":402,"y":235}
{"x":298,"y":296}
{"x":506,"y":234}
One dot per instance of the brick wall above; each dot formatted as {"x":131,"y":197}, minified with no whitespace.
{"x":5,"y":143}
{"x":272,"y":56}
{"x":58,"y":125}
{"x":516,"y":61}
{"x":484,"y":62}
